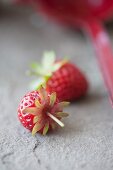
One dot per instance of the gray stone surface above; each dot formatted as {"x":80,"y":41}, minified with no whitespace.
{"x":86,"y":142}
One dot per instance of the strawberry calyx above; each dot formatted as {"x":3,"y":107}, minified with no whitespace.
{"x":45,"y":69}
{"x":47,"y":111}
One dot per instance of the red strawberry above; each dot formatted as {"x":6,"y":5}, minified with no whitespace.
{"x":39,"y":111}
{"x":62,"y":77}
{"x":68,"y":82}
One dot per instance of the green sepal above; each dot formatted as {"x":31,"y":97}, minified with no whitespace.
{"x":53,"y":125}
{"x":35,"y":119}
{"x":61,"y":105}
{"x":45,"y":70}
{"x":62,"y":114}
{"x":37,"y":127}
{"x":32,"y":110}
{"x":38,"y":104}
{"x":37,"y":69}
{"x":43,"y":94}
{"x":36,"y":84}
{"x":59,"y":64}
{"x":48,"y":59}
{"x":52,"y":99}
{"x":46,"y":128}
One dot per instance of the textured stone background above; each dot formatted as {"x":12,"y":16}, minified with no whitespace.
{"x":86,"y":142}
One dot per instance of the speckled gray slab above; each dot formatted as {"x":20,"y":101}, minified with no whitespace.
{"x":86,"y":142}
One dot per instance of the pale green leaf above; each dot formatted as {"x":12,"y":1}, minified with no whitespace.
{"x":46,"y":128}
{"x":37,"y":69}
{"x":34,"y":65}
{"x":56,"y":67}
{"x":48,"y":59}
{"x":59,"y":64}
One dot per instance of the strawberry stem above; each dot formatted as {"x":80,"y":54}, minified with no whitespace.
{"x":55,"y":119}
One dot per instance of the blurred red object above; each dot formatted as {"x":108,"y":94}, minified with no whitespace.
{"x":73,"y":9}
{"x":86,"y":14}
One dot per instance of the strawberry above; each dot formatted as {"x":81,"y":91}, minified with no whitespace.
{"x":60,"y":76}
{"x":39,"y":111}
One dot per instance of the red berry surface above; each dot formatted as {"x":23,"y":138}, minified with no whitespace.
{"x":28,"y":101}
{"x":68,"y":82}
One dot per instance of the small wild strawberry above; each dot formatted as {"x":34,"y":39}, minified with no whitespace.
{"x":60,"y":76}
{"x":40,"y":111}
